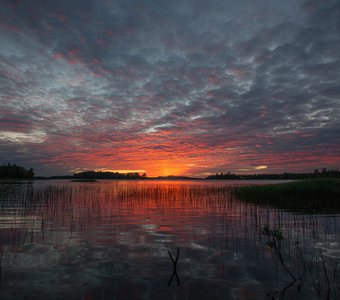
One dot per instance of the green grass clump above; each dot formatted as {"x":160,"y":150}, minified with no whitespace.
{"x":310,"y":195}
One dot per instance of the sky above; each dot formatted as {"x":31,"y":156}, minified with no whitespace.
{"x":180,"y":87}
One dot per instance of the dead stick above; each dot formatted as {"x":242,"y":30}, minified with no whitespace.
{"x":174,"y":262}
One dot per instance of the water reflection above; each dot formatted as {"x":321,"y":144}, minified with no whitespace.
{"x":110,"y":240}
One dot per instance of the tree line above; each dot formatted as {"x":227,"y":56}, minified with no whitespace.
{"x":108,"y":175}
{"x":324,"y":173}
{"x":15,"y":171}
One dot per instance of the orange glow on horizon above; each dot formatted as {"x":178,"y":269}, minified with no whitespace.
{"x":120,"y":171}
{"x":173,"y":158}
{"x":167,"y":168}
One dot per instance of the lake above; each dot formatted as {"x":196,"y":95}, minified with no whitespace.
{"x":111,"y":240}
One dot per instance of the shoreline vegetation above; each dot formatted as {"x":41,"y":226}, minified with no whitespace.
{"x":324,"y":173}
{"x":13,"y":171}
{"x":312,"y":192}
{"x":10,"y":172}
{"x":321,"y":195}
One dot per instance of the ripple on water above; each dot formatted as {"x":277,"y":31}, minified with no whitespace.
{"x":31,"y":256}
{"x":248,"y":289}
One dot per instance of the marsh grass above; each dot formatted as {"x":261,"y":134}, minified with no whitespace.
{"x":78,"y":205}
{"x":176,"y":194}
{"x":307,"y":196}
{"x":302,"y":268}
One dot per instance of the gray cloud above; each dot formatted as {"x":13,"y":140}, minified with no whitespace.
{"x":217,"y":75}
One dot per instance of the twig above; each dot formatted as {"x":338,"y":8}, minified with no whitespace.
{"x":174,"y":262}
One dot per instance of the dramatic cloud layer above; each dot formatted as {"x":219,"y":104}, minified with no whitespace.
{"x":186,"y":87}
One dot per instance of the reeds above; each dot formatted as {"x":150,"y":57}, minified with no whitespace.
{"x":319,"y":268}
{"x":307,"y":196}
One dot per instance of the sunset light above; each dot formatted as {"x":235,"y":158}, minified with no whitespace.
{"x":120,"y":171}
{"x":178,"y":88}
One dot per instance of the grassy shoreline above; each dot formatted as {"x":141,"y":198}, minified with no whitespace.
{"x":307,"y":196}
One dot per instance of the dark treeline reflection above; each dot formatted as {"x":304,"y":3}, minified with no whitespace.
{"x":107,"y":240}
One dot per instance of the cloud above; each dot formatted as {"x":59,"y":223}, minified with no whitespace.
{"x":20,"y":138}
{"x":199,"y":85}
{"x":260,"y":167}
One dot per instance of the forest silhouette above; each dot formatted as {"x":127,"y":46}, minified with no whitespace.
{"x":15,"y":171}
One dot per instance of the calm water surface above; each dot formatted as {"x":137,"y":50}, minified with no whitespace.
{"x":110,"y":240}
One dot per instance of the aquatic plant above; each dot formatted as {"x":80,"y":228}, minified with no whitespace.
{"x":319,"y":269}
{"x":275,"y":237}
{"x":308,"y":196}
